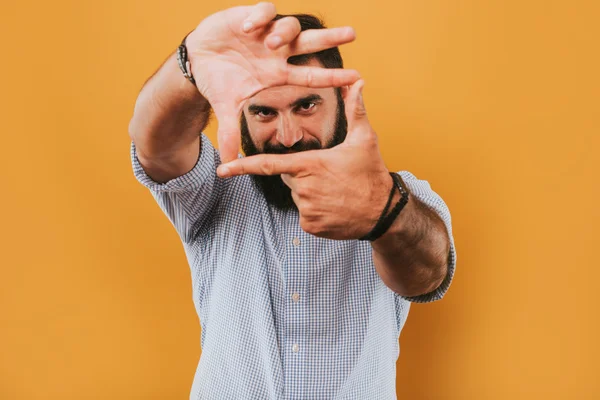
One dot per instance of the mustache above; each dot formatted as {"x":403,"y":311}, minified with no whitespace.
{"x":298,"y":146}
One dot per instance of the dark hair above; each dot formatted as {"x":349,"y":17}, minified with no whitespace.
{"x":276,"y":192}
{"x":329,"y":58}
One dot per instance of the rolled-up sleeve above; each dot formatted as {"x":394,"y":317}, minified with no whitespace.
{"x":423,"y":192}
{"x":188,"y":199}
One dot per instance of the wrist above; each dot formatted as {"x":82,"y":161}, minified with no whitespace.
{"x":378,"y":200}
{"x":389,"y":215}
{"x":188,"y":68}
{"x":399,"y":227}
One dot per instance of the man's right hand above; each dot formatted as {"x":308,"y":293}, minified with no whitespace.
{"x":238,"y":52}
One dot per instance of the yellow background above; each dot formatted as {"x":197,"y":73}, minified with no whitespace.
{"x":495,"y":103}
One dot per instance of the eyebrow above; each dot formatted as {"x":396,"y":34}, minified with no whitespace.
{"x":311,"y":98}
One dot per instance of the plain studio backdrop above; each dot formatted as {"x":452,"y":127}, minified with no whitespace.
{"x":495,"y":103}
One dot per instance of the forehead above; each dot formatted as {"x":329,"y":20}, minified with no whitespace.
{"x":282,"y":96}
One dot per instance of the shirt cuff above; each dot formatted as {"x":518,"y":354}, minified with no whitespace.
{"x":205,"y":166}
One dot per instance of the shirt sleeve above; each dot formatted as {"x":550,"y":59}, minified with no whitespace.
{"x":423,"y":192}
{"x":189,"y":199}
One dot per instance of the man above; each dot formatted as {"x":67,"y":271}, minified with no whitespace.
{"x":292,"y":304}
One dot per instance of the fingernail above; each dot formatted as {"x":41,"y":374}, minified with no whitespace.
{"x":351,"y":32}
{"x":247,"y":26}
{"x":222,"y":171}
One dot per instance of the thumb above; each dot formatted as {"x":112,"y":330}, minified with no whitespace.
{"x":228,"y":135}
{"x":356,"y":113}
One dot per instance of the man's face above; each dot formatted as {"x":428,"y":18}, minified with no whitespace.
{"x":288,"y":119}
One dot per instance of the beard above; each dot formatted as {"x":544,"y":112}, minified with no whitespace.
{"x":276,"y":192}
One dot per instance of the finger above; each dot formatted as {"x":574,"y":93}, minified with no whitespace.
{"x":264,"y":164}
{"x":356,"y":113}
{"x":319,"y":77}
{"x":283,"y":32}
{"x":228,"y":136}
{"x":356,"y":102}
{"x":296,"y":199}
{"x":288,"y":180}
{"x":345,"y":89}
{"x":314,"y":40}
{"x":261,"y":14}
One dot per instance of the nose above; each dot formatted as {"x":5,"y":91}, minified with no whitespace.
{"x":288,"y":132}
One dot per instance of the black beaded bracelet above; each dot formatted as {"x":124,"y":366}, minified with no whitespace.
{"x":385,"y":221}
{"x":389,"y":201}
{"x":184,"y":63}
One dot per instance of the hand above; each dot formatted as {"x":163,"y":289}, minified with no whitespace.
{"x":238,"y":52}
{"x":340,"y":192}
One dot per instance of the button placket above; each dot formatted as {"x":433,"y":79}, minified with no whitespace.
{"x":297,"y":261}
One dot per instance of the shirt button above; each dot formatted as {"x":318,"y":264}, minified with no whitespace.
{"x":296,"y":241}
{"x":295,"y":297}
{"x":295,"y":348}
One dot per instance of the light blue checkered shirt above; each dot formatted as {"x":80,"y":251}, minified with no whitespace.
{"x":284,"y":314}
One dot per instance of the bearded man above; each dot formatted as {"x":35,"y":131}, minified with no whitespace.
{"x":306,"y":253}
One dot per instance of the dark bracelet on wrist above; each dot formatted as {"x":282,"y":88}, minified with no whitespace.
{"x":386,"y":220}
{"x":389,"y":202}
{"x":184,"y":63}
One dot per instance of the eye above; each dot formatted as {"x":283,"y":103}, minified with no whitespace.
{"x":264,"y":113}
{"x":307,"y":107}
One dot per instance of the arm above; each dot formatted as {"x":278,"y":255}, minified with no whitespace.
{"x":412,"y":256}
{"x":340,"y":193}
{"x":169,"y":155}
{"x":230,"y":64}
{"x":168,"y":117}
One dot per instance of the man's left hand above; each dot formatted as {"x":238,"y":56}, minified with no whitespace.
{"x":340,"y":192}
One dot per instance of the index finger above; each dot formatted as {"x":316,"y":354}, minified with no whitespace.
{"x":264,"y":164}
{"x":315,"y":40}
{"x":318,"y":77}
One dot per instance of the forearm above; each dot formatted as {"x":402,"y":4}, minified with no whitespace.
{"x":169,"y":113}
{"x":411,"y":257}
